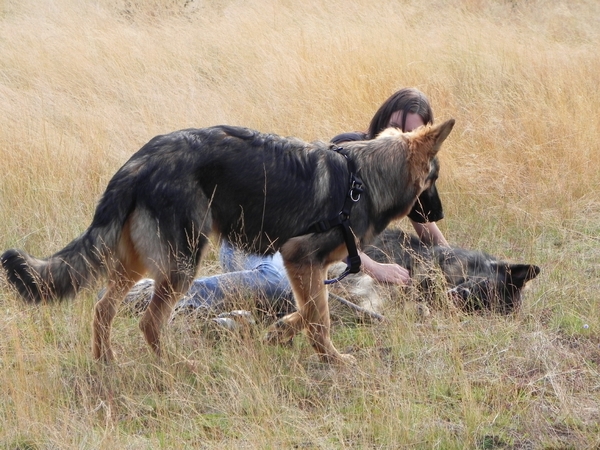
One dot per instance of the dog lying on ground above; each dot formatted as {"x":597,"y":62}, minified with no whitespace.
{"x":260,"y":191}
{"x":471,"y":280}
{"x":465,"y":280}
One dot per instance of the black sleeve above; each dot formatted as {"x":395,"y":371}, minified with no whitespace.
{"x":345,"y":137}
{"x":428,"y":207}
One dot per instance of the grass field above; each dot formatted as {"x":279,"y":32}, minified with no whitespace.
{"x":85,"y":83}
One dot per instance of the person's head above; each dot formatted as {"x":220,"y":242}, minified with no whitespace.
{"x":406,"y":109}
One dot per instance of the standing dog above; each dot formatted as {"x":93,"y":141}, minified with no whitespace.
{"x":260,"y":191}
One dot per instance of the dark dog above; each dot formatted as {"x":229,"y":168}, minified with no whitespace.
{"x":474,"y":280}
{"x":262,"y":192}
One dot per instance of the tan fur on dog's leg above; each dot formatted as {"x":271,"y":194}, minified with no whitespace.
{"x":104,"y":313}
{"x":316,"y":316}
{"x":285,"y":329}
{"x":314,"y":309}
{"x":156,"y":315}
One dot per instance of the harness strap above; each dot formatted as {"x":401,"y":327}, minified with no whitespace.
{"x":343,"y":219}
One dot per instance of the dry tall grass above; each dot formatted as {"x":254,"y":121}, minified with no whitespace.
{"x":83,"y":84}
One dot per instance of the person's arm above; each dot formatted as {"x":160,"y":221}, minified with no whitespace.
{"x":388,"y":273}
{"x":429,"y":233}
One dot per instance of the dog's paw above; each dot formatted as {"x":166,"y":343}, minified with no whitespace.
{"x":279,"y":333}
{"x":346,"y":359}
{"x":339,"y":359}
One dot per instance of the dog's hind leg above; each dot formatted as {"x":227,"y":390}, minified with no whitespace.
{"x":124,"y":267}
{"x":166,"y":294}
{"x":104,"y":313}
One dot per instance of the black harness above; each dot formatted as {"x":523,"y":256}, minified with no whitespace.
{"x":343,"y":219}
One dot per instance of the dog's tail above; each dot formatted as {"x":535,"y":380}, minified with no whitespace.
{"x":58,"y":277}
{"x":62,"y":275}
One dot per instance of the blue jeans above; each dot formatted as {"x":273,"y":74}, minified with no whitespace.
{"x":261,"y":277}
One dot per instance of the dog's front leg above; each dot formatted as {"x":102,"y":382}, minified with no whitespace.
{"x":315,"y":312}
{"x":313,"y":308}
{"x":284,"y":330}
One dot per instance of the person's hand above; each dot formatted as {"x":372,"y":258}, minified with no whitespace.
{"x":391,"y":273}
{"x":385,"y":273}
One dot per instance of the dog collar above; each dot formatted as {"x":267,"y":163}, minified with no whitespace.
{"x":343,"y":219}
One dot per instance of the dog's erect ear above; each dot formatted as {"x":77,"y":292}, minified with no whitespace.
{"x":522,"y":273}
{"x":426,"y":140}
{"x":439,"y":133}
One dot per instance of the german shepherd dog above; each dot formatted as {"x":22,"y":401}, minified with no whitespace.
{"x":471,"y":280}
{"x":260,"y":191}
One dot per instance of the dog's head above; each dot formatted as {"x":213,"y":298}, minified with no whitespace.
{"x":413,"y":155}
{"x":501,"y":293}
{"x":424,"y":143}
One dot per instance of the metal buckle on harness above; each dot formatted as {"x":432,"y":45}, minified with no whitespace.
{"x":343,"y":219}
{"x":355,"y":190}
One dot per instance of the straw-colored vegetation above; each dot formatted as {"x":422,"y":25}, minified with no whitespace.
{"x":83,"y":84}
